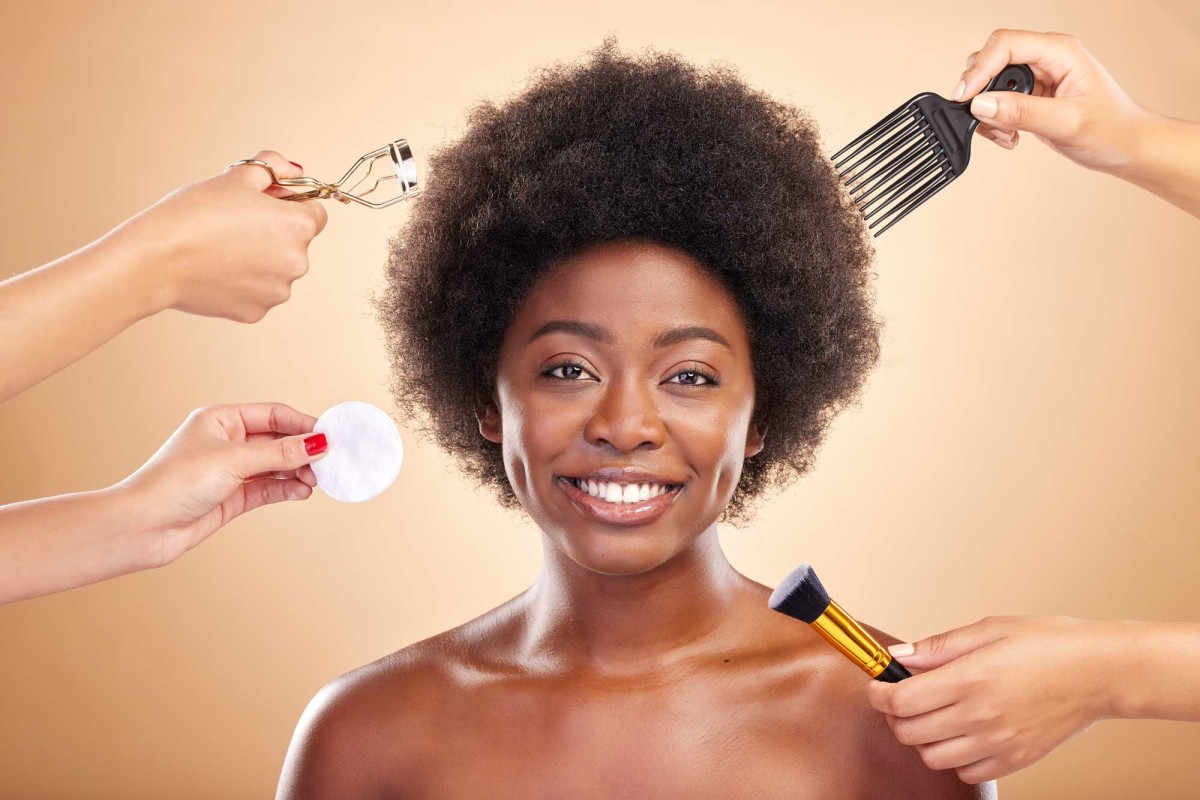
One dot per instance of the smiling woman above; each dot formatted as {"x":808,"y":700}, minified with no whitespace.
{"x":630,"y":301}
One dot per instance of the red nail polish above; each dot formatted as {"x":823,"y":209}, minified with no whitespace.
{"x":297,"y":166}
{"x":315,"y":444}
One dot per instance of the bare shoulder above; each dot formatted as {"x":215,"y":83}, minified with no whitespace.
{"x":899,"y":770}
{"x":373,"y":728}
{"x":818,"y":688}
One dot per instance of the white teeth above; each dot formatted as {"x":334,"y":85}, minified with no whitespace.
{"x":618,"y":493}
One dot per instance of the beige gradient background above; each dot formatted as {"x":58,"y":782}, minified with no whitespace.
{"x":1028,"y":443}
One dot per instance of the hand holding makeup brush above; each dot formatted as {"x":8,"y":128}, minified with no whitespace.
{"x":223,"y":247}
{"x":1080,"y":111}
{"x":222,"y":462}
{"x":996,"y":696}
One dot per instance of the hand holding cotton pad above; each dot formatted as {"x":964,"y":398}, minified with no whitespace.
{"x":365,"y":452}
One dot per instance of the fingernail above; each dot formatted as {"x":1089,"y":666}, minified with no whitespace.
{"x":315,"y":444}
{"x":901,"y":650}
{"x":984,"y":106}
{"x":958,"y":90}
{"x":297,"y":166}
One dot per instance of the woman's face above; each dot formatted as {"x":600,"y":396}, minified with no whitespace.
{"x":625,"y":395}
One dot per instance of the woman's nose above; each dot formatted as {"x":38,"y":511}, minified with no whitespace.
{"x":626,"y":418}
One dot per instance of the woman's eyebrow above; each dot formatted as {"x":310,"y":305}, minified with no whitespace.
{"x":599,"y":333}
{"x":587,"y":330}
{"x":683,"y":334}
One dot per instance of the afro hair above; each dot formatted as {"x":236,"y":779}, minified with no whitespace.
{"x":650,"y":148}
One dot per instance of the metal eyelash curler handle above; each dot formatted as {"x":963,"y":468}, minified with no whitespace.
{"x":403,"y":171}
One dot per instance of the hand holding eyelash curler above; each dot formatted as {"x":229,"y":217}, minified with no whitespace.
{"x":403,"y":171}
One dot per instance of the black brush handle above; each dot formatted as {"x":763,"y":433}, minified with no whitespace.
{"x":894,"y":673}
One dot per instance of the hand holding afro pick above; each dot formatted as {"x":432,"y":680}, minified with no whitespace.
{"x":365,"y":452}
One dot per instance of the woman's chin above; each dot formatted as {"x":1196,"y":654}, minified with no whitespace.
{"x":617,"y":554}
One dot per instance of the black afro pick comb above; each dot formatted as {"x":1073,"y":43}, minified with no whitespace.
{"x":913,"y":153}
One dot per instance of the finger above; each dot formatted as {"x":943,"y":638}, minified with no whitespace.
{"x":994,"y":133}
{"x":269,"y":436}
{"x":267,"y":491}
{"x":304,"y":474}
{"x":917,"y":695}
{"x":1056,"y":118}
{"x":932,"y":726}
{"x":258,"y":177}
{"x":1005,"y":139}
{"x":952,"y":753}
{"x":1050,"y":53}
{"x":985,"y":769}
{"x":316,"y":213}
{"x":307,"y":475}
{"x":252,"y":418}
{"x":279,"y":474}
{"x":971,"y":59}
{"x":289,"y":453}
{"x":279,"y":192}
{"x":943,"y":648}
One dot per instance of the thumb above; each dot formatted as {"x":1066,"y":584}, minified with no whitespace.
{"x":286,"y":453}
{"x":1055,"y":118}
{"x":943,"y":648}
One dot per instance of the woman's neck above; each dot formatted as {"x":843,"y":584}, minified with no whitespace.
{"x":584,"y":619}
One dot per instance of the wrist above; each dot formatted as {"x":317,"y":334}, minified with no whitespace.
{"x":1131,"y":670}
{"x":141,"y":541}
{"x":142,"y":260}
{"x":1142,"y":164}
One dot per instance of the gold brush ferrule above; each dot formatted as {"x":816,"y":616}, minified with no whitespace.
{"x":841,"y":631}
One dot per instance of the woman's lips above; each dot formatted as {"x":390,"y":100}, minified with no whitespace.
{"x":618,"y":514}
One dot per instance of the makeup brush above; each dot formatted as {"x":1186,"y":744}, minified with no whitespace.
{"x":916,"y":151}
{"x":802,"y":597}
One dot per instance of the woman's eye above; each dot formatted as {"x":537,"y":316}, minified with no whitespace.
{"x":569,"y":372}
{"x":691,"y":378}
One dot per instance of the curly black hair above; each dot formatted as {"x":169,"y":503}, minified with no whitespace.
{"x":650,"y":148}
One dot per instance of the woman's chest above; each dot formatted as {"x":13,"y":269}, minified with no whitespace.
{"x":621,"y":744}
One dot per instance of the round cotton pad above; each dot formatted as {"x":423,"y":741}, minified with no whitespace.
{"x":364,"y":455}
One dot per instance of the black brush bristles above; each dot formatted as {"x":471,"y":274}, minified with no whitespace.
{"x":800,"y":595}
{"x":914,"y":152}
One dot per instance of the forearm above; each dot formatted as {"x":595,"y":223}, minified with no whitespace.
{"x":1166,"y":161}
{"x":59,"y":543}
{"x":54,"y":315}
{"x":1157,"y":673}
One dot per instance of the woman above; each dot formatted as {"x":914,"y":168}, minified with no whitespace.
{"x":630,"y":301}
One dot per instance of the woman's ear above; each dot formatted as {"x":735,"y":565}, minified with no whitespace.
{"x":755,"y":437}
{"x":489,"y":421}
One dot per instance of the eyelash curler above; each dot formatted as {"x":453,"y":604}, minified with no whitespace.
{"x":403,"y":171}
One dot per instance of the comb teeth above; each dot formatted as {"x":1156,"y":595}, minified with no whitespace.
{"x":895,"y":166}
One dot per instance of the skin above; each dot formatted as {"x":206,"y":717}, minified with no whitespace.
{"x":640,"y":663}
{"x":1079,"y":111}
{"x":1000,"y":694}
{"x":224,"y":461}
{"x":224,"y":247}
{"x":996,"y":696}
